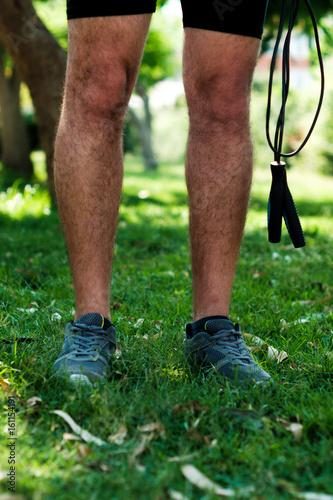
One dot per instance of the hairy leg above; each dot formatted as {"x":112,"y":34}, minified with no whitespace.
{"x":218,"y":71}
{"x":103,"y":62}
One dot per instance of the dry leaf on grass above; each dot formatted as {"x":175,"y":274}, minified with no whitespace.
{"x":272,"y":353}
{"x":184,"y":458}
{"x":300,"y":321}
{"x":83,"y":451}
{"x":33,"y":401}
{"x":154,"y":426}
{"x":116,"y":305}
{"x":176,"y":495}
{"x":307,"y":495}
{"x":194,"y":476}
{"x":314,"y":302}
{"x":305,"y":367}
{"x":295,"y":428}
{"x":146,"y":438}
{"x":314,"y":496}
{"x":5,"y":384}
{"x":275,"y":354}
{"x":84,"y":434}
{"x":119,"y":436}
{"x":67,"y":436}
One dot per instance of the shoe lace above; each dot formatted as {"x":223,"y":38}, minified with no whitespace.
{"x":233,"y":341}
{"x":86,"y":339}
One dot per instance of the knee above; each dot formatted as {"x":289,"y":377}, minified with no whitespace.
{"x":220,"y":100}
{"x":98,"y":98}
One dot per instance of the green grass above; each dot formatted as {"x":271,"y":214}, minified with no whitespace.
{"x":245,"y":445}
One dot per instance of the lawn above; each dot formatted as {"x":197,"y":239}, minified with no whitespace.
{"x":159,"y":423}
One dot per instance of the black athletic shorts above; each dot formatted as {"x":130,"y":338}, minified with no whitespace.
{"x":240,"y":17}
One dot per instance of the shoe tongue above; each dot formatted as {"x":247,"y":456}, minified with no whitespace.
{"x":94,"y":319}
{"x":215,"y":325}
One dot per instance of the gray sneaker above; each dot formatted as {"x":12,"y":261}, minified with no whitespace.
{"x":88,"y":346}
{"x":216,"y":341}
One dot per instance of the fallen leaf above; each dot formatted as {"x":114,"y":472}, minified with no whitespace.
{"x":55,"y":317}
{"x":272,"y":353}
{"x":184,"y":458}
{"x":124,"y":381}
{"x":314,"y":302}
{"x":33,"y":401}
{"x":83,"y":451}
{"x":313,"y":344}
{"x":146,"y":438}
{"x":27,"y":272}
{"x":305,"y":367}
{"x":119,"y":436}
{"x":195,"y":477}
{"x":213,"y":443}
{"x":279,"y":356}
{"x":67,"y":436}
{"x":5,"y":384}
{"x":315,"y":496}
{"x":154,"y":426}
{"x":105,"y":467}
{"x":84,"y":434}
{"x":303,"y":495}
{"x":33,"y":304}
{"x":296,"y":430}
{"x":139,"y":322}
{"x":176,"y":495}
{"x":116,"y":305}
{"x":257,"y":274}
{"x":295,"y":367}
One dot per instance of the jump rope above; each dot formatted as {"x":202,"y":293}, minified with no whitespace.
{"x":281,"y":203}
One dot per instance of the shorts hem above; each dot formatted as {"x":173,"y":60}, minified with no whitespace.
{"x":79,"y":13}
{"x":227,"y":31}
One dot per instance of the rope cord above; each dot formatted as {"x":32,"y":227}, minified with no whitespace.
{"x":281,"y":203}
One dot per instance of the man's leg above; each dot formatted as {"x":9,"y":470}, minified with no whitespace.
{"x":218,"y":69}
{"x":103,"y":62}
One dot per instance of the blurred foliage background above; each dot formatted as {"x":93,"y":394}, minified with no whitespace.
{"x":156,"y":125}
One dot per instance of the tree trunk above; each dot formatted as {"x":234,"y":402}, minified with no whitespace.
{"x":15,"y":143}
{"x":145,"y":130}
{"x":41,"y":64}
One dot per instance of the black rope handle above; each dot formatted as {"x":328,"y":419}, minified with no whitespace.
{"x":281,"y":203}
